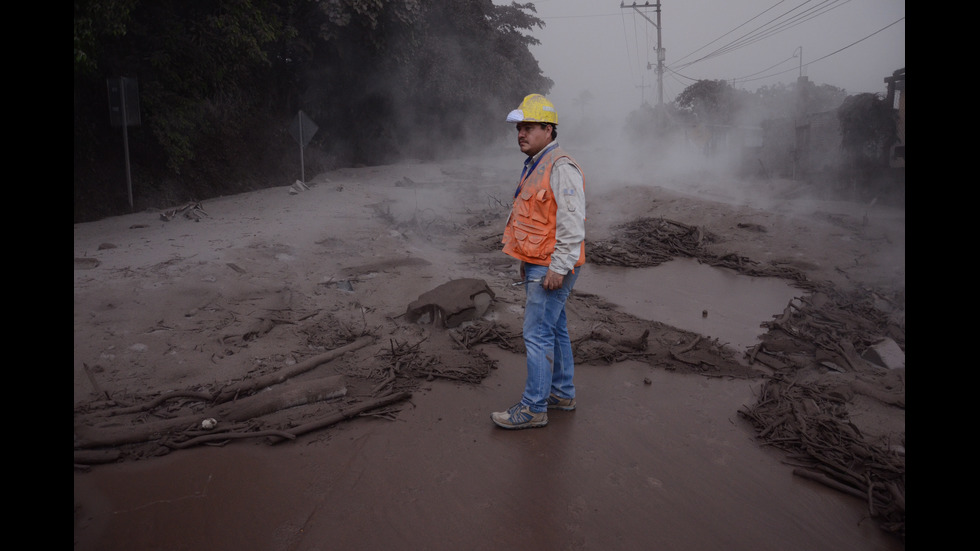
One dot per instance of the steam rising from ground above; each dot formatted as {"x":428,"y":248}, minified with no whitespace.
{"x":624,"y":177}
{"x":728,"y":173}
{"x":611,"y":159}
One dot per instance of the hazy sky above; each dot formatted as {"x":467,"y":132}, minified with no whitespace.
{"x":605,"y":48}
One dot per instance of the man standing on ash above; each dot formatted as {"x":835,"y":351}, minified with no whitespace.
{"x":546,"y":232}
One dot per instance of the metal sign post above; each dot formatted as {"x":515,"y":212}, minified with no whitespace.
{"x":124,"y":110}
{"x":302,"y":129}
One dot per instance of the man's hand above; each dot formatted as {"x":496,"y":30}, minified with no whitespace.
{"x":552,"y":281}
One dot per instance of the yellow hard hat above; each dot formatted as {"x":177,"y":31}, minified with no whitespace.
{"x":534,"y":108}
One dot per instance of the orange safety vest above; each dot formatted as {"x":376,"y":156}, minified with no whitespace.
{"x":530,"y":231}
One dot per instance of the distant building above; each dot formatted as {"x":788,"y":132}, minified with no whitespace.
{"x":808,"y":146}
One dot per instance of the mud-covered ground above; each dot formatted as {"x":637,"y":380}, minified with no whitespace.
{"x":295,"y":312}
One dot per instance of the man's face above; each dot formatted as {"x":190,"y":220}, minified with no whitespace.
{"x":532,"y":137}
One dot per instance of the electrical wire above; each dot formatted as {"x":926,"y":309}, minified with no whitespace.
{"x":746,"y":79}
{"x":784,"y":21}
{"x":726,"y":34}
{"x":778,"y":24}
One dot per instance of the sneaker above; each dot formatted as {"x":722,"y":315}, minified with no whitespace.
{"x":519,"y":417}
{"x":567,"y":404}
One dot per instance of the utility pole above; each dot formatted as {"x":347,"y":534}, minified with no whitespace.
{"x":661,"y":54}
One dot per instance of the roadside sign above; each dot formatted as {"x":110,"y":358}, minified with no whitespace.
{"x":124,"y":101}
{"x":302,"y":129}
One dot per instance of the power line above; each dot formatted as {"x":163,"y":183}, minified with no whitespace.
{"x":790,"y":58}
{"x":781,"y":26}
{"x":726,"y":34}
{"x":626,"y":40}
{"x":746,"y":79}
{"x":778,"y":24}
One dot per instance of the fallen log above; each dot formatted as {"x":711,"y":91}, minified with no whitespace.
{"x":159,"y":400}
{"x":308,"y":392}
{"x":254,"y":385}
{"x":227,"y":436}
{"x":343,"y":415}
{"x":96,"y":457}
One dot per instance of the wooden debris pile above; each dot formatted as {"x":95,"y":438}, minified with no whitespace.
{"x":648,"y":242}
{"x":832,"y":328}
{"x":192,"y":211}
{"x":811,"y":424}
{"x":488,"y":332}
{"x":412,"y":361}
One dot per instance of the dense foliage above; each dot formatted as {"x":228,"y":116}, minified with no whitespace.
{"x":220,"y":82}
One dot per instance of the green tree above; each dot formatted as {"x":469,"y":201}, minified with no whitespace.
{"x":710,"y":101}
{"x":201,"y":70}
{"x":95,"y":22}
{"x":220,"y":81}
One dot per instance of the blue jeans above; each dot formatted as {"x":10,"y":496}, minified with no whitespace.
{"x":550,"y":367}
